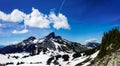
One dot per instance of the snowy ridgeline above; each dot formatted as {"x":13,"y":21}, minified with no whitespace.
{"x":45,"y":59}
{"x":51,"y":50}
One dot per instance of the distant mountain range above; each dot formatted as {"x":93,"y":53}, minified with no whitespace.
{"x":49,"y":42}
{"x":92,"y":45}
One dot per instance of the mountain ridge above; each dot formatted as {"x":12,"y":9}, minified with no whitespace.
{"x":51,"y":41}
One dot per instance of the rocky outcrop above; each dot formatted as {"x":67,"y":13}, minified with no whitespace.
{"x":108,"y":60}
{"x":115,"y":59}
{"x":109,"y":54}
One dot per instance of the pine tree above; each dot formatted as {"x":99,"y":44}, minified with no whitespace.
{"x":110,"y":42}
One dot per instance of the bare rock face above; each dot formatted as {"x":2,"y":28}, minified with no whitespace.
{"x":109,"y":60}
{"x":115,"y":59}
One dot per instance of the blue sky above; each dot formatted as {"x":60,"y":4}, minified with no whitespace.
{"x":78,"y":20}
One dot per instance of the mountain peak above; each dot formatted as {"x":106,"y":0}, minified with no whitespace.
{"x":31,"y":38}
{"x":51,"y":35}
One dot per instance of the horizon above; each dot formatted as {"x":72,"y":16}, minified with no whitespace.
{"x":16,"y":42}
{"x":77,"y":21}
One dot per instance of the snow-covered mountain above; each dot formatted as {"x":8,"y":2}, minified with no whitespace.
{"x":92,"y":45}
{"x":50,"y":42}
{"x":48,"y":59}
{"x":51,"y":50}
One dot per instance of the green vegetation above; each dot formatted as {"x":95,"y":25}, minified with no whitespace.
{"x":110,"y":42}
{"x":87,"y":53}
{"x":65,"y":57}
{"x":76,"y":55}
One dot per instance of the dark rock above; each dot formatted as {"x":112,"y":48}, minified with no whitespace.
{"x":51,"y":35}
{"x":49,"y":60}
{"x":65,"y":57}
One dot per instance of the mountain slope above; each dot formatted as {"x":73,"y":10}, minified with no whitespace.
{"x":109,"y":54}
{"x":108,"y":60}
{"x":51,"y":50}
{"x":108,"y":51}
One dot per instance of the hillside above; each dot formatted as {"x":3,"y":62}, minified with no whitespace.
{"x":109,"y":54}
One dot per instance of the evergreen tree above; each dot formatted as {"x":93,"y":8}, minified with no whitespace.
{"x":110,"y":42}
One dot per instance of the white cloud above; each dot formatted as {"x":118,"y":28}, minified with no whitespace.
{"x":37,"y":19}
{"x":10,"y":42}
{"x":15,"y":16}
{"x":20,"y":32}
{"x":59,"y":21}
{"x":14,"y":42}
{"x":91,"y":40}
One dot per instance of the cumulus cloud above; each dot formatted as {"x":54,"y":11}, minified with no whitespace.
{"x":20,"y":32}
{"x":15,"y":16}
{"x":91,"y":40}
{"x":36,"y":19}
{"x":59,"y":21}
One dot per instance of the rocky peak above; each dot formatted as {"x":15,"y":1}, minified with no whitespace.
{"x":58,"y":37}
{"x":51,"y":35}
{"x":31,"y":38}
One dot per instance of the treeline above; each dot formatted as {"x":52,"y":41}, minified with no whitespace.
{"x":110,"y":42}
